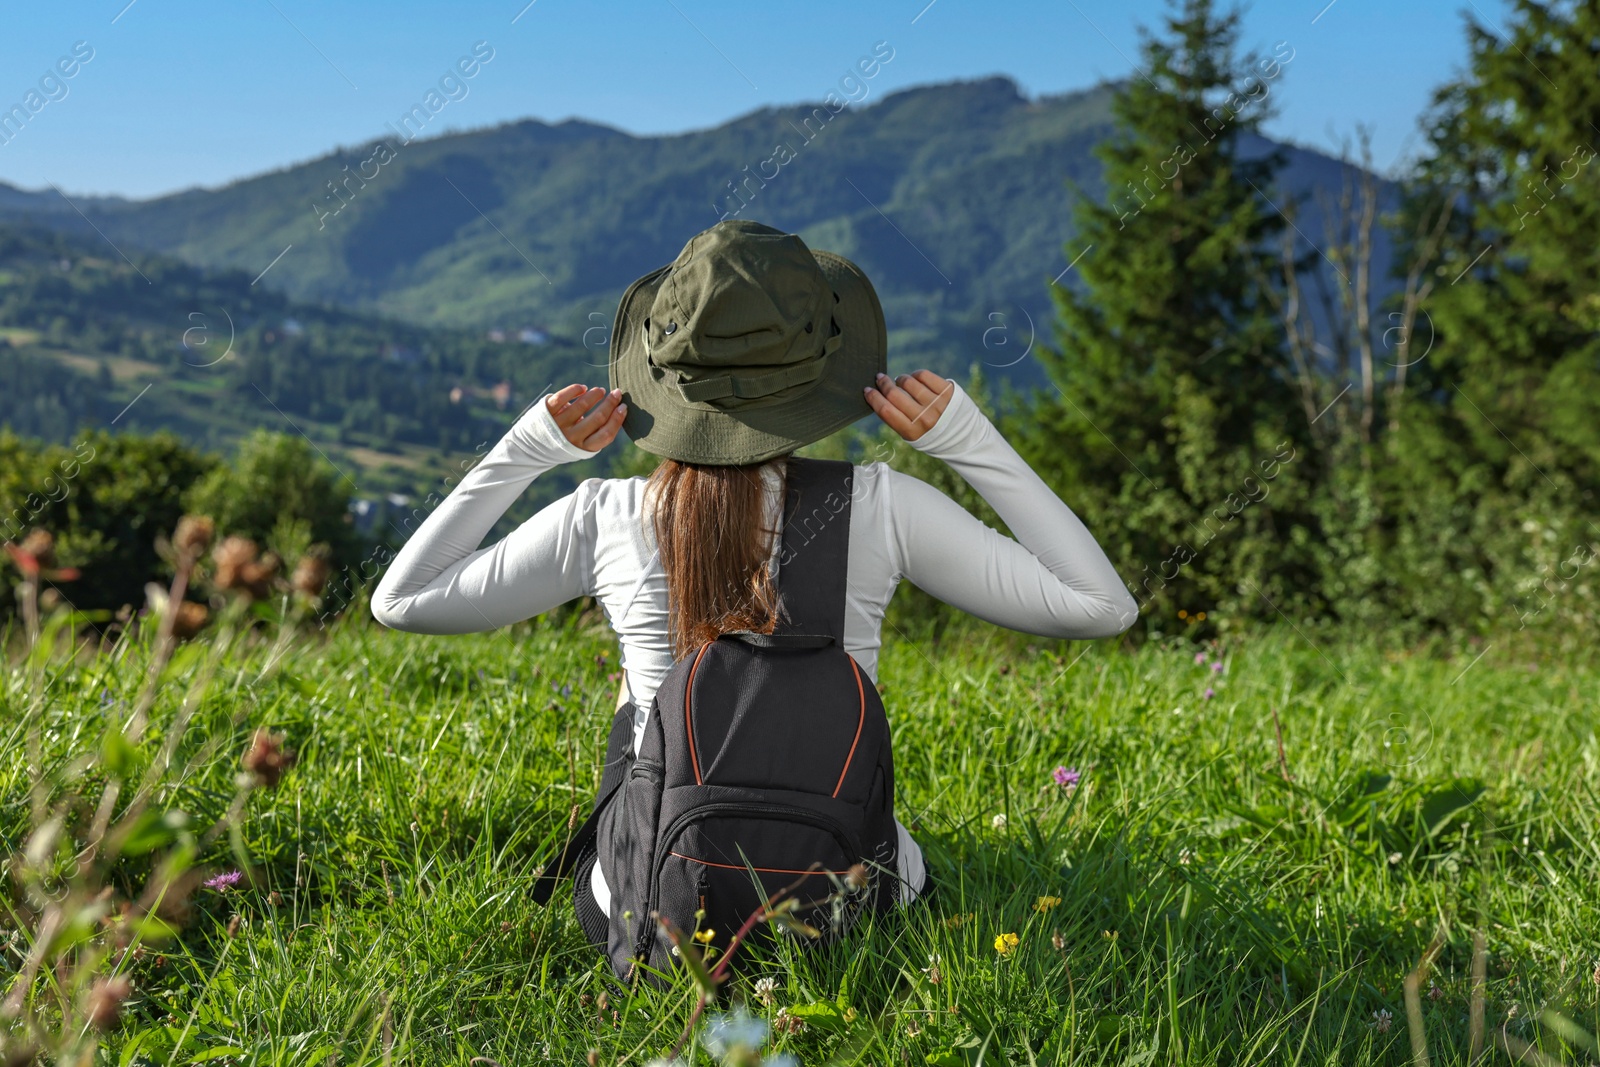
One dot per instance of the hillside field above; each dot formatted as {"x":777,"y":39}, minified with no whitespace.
{"x":1207,"y":908}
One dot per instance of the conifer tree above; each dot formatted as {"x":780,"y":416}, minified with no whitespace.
{"x":1495,"y":469}
{"x":1171,"y":426}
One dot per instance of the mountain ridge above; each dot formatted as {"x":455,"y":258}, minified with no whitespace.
{"x":954,"y":197}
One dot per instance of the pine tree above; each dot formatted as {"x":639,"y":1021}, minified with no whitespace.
{"x":1497,"y":464}
{"x":1172,"y":427}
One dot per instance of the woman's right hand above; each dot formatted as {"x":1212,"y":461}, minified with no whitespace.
{"x":911,"y":403}
{"x":587,"y":416}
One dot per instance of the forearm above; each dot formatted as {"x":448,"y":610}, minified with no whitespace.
{"x":439,"y":582}
{"x":1089,"y":597}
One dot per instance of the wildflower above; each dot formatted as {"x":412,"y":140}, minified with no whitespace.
{"x":998,"y":822}
{"x":855,"y":879}
{"x":1216,"y":667}
{"x":935,"y":976}
{"x":1067,"y":777}
{"x":1046,"y":903}
{"x":106,"y":997}
{"x":704,"y":936}
{"x":1382,"y":1020}
{"x":732,"y":1037}
{"x":1058,"y":941}
{"x":267,"y":759}
{"x":41,"y":545}
{"x":193,"y":535}
{"x":1006,"y":943}
{"x":224,"y":882}
{"x":1394,"y":859}
{"x":1199,"y":658}
{"x":1185,"y":857}
{"x":767,"y":990}
{"x":188,"y":619}
{"x":310,"y":575}
{"x":1210,"y":692}
{"x":36,"y":558}
{"x":239,"y":569}
{"x":1434,"y":992}
{"x":785,"y":1022}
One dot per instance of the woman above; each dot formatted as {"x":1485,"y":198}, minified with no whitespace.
{"x":746,"y":347}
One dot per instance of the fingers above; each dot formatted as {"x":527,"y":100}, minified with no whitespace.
{"x":607,"y":431}
{"x":885,"y":409}
{"x":933,"y":382}
{"x":588,"y":416}
{"x":558,"y":401}
{"x":911,"y":403}
{"x":573,"y":403}
{"x":594,"y":419}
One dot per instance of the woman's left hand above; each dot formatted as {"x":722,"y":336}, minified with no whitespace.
{"x":588,"y":416}
{"x":911,"y":403}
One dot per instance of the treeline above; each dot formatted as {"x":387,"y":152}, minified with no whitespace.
{"x":1254,"y":435}
{"x":238,"y":355}
{"x":97,"y":513}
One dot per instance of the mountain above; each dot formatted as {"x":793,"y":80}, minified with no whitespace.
{"x":956,"y":199}
{"x":90,"y":340}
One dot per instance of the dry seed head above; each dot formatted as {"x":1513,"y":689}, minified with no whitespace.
{"x":267,"y":759}
{"x":193,"y":535}
{"x":310,"y":575}
{"x":188,"y":619}
{"x":105,"y":1001}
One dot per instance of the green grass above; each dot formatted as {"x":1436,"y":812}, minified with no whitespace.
{"x":1211,"y":911}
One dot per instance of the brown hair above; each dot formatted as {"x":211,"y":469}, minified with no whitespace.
{"x":716,"y":548}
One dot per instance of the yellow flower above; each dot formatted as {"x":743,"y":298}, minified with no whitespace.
{"x":1046,"y":903}
{"x":704,"y":936}
{"x":1004,"y":943}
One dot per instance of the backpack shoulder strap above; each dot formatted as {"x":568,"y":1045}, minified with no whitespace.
{"x":816,"y":547}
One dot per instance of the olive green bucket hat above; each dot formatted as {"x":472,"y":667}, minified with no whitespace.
{"x":746,"y":346}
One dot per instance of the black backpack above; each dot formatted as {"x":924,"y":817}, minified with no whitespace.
{"x":765,"y":762}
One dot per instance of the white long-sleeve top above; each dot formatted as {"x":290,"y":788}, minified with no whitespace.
{"x":1053,"y":580}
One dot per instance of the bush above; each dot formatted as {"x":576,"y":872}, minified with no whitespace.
{"x":106,"y":498}
{"x":282,"y":494}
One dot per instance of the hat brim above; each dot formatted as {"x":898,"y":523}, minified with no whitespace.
{"x":660,"y":421}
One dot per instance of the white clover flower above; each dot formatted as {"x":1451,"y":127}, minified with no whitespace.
{"x":999,"y":821}
{"x":738,"y":1032}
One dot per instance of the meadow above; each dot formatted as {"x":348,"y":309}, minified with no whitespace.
{"x":1200,"y":893}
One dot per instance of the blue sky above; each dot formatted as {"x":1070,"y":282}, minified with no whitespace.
{"x":182,"y":93}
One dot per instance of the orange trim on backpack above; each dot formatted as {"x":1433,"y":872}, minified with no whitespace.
{"x":861,"y":719}
{"x":763,"y":870}
{"x":688,"y":719}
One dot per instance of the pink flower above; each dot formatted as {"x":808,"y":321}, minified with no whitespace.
{"x":224,"y":882}
{"x":1067,"y":777}
{"x":1199,"y":657}
{"x":1210,"y":692}
{"x":1216,"y":668}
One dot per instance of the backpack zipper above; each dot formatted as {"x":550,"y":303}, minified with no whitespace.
{"x":706,"y":811}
